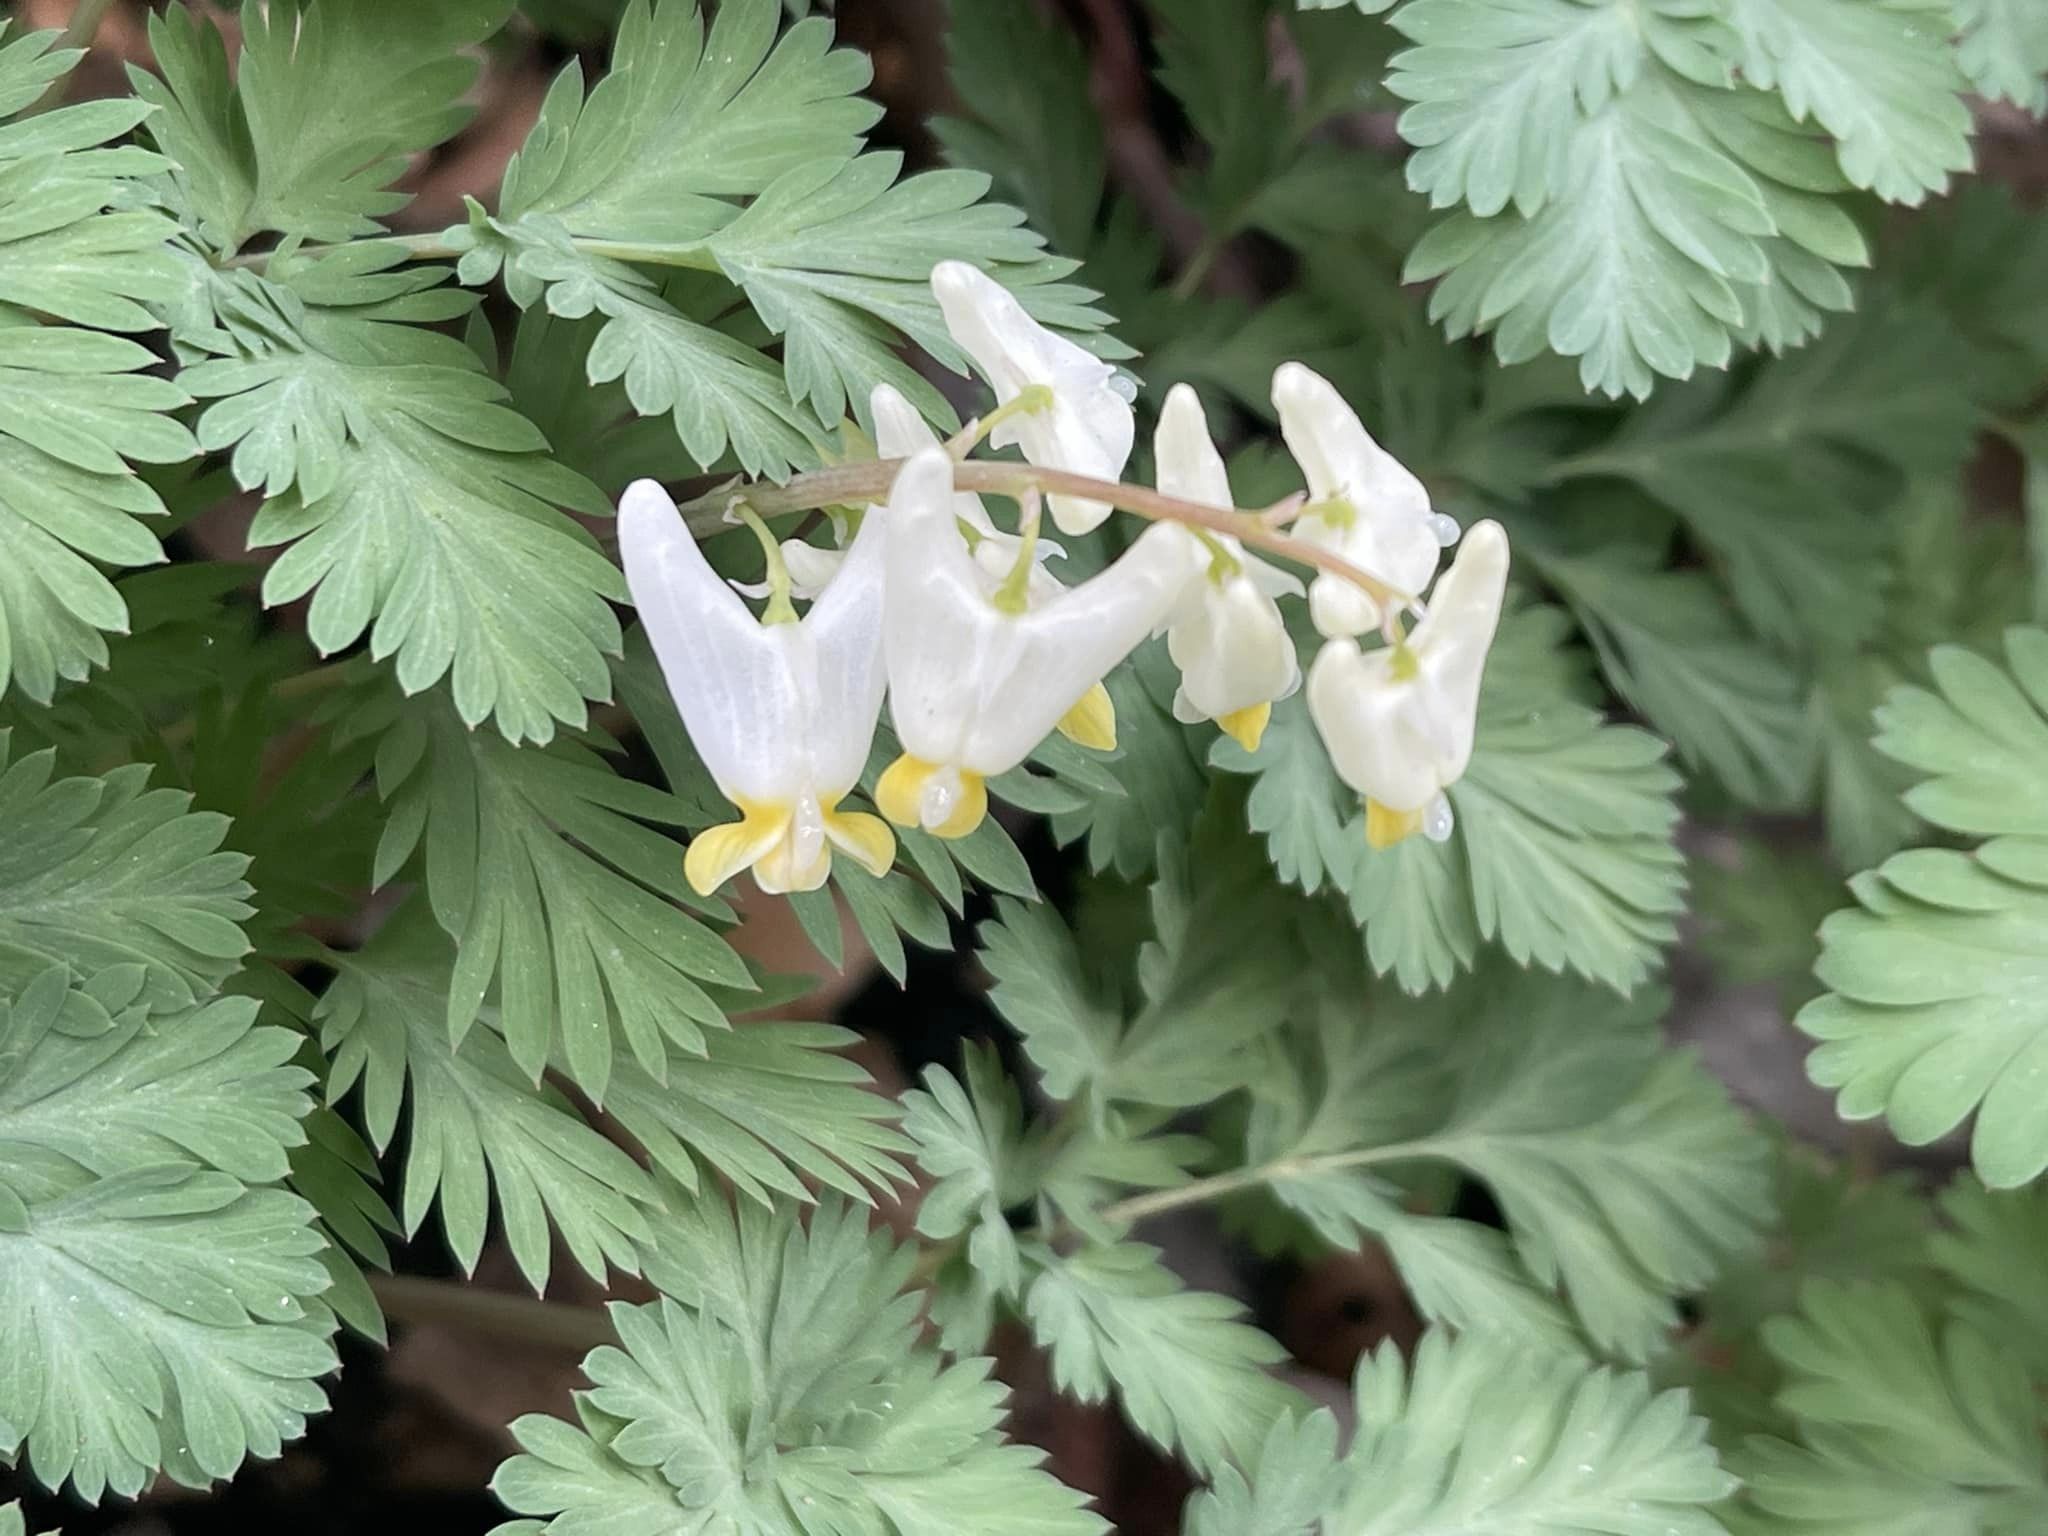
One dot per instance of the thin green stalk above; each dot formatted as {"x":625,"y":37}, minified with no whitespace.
{"x":1219,"y":1185}
{"x":493,"y":1314}
{"x":78,"y":32}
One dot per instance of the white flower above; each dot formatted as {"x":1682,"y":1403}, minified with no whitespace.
{"x":1364,"y":506}
{"x":1086,"y":428}
{"x":783,"y":714}
{"x":975,"y":685}
{"x":811,"y":568}
{"x":901,"y":432}
{"x":1398,"y":722}
{"x":1227,"y":636}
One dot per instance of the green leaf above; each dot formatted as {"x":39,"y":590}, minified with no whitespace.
{"x":1934,"y":1006}
{"x":1662,"y":215}
{"x":477,"y":1124}
{"x":1979,"y":737}
{"x":970,"y":1141}
{"x":1476,"y":1435}
{"x":770,"y":1106}
{"x":831,"y":251}
{"x":563,"y":900}
{"x":2002,"y":45}
{"x":1213,"y":976}
{"x":1189,"y":1375}
{"x":827,"y":250}
{"x":1988,"y":1249}
{"x":103,"y":872}
{"x":1035,"y":131}
{"x":1666,"y":641}
{"x":1283,"y":1492}
{"x":328,"y":103}
{"x":1866,"y":1371}
{"x":77,"y":408}
{"x":781,"y":1381}
{"x":419,"y":508}
{"x":1625,"y":1176}
{"x":1562,"y":847}
{"x":170,"y":1291}
{"x":1154,"y":767}
{"x":1878,"y":77}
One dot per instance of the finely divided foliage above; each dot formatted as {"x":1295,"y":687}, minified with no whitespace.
{"x":218,"y":1051}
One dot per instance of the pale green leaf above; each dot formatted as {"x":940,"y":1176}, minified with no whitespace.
{"x":1476,"y":1435}
{"x":1876,"y":74}
{"x":1935,"y":1002}
{"x":1188,"y":1374}
{"x":170,"y":1294}
{"x":778,"y":1382}
{"x":478,"y":1127}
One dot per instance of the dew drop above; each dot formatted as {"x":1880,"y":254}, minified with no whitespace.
{"x":1437,"y":820}
{"x":1124,"y":387}
{"x":1445,"y":527}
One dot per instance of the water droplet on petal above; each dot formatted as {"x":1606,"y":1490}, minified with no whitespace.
{"x":1445,"y":527}
{"x":1124,"y":387}
{"x":1437,"y":820}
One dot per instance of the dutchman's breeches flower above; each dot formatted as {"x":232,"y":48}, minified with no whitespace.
{"x":978,"y":677}
{"x":1364,"y":506}
{"x":782,"y":713}
{"x":1081,"y":422}
{"x":1227,"y":635}
{"x":1398,"y":722}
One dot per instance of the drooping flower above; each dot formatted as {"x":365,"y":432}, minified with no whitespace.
{"x":783,"y":714}
{"x":1227,"y":636}
{"x":1364,"y":506}
{"x":978,"y":677}
{"x":1398,"y":722}
{"x":1082,"y":423}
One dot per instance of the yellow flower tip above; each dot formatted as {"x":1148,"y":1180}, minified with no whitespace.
{"x":1092,"y":722}
{"x":865,"y":839}
{"x":901,"y":787}
{"x":1385,"y":827}
{"x":718,"y":853}
{"x":1247,"y":727}
{"x":914,"y":793}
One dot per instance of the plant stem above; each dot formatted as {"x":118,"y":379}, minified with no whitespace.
{"x":78,"y":32}
{"x":424,"y":247}
{"x":529,"y":1320}
{"x":844,"y":484}
{"x":1217,"y":1185}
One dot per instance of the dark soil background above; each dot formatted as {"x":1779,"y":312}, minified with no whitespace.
{"x":415,"y":1432}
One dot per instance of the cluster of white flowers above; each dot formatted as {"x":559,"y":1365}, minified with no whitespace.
{"x":982,"y":653}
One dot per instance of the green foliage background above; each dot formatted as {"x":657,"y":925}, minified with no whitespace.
{"x":1742,"y":333}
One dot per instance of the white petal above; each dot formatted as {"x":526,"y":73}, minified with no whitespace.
{"x":1270,"y":578}
{"x":1339,"y":607}
{"x":728,"y":675}
{"x":1234,"y":651}
{"x":991,"y":327}
{"x":1088,"y":429}
{"x":1391,"y":535}
{"x":1187,"y":463}
{"x":1070,"y":644}
{"x":942,"y":638}
{"x":901,"y":431}
{"x":1359,"y":710}
{"x":843,"y":632}
{"x":1452,"y":641}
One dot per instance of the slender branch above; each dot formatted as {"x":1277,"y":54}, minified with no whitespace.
{"x":529,"y":1320}
{"x":854,"y":484}
{"x":426,"y":247}
{"x":78,"y":32}
{"x":1219,"y":1185}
